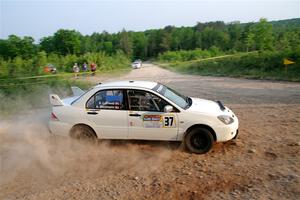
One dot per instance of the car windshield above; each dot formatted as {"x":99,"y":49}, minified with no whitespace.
{"x":179,"y":99}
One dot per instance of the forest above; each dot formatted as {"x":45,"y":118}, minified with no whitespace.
{"x":257,"y":50}
{"x":21,"y":56}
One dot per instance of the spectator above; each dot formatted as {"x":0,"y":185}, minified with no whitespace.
{"x":93,"y":68}
{"x":76,"y":70}
{"x":84,"y":68}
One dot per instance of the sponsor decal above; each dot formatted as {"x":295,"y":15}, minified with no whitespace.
{"x":160,"y":88}
{"x":152,"y":121}
{"x":152,"y":118}
{"x":158,"y":121}
{"x":152,"y":124}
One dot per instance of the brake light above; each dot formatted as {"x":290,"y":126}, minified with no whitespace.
{"x":53,"y":117}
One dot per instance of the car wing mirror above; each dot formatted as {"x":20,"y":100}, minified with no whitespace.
{"x":168,"y":108}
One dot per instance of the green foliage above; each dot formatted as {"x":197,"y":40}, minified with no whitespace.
{"x":125,"y":43}
{"x":183,"y":55}
{"x":263,"y":35}
{"x":266,"y":64}
{"x":15,"y":46}
{"x":63,"y":42}
{"x":260,"y":36}
{"x":139,"y":45}
{"x":15,"y":99}
{"x":19,"y":67}
{"x":22,"y":57}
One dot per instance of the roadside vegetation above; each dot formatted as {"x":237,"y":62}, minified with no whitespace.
{"x":258,"y":65}
{"x":25,"y":85}
{"x":257,"y":50}
{"x":25,"y":96}
{"x":23,"y":56}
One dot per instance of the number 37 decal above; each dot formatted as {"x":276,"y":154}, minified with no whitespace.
{"x":169,"y":121}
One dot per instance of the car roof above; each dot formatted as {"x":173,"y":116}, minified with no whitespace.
{"x":128,"y":84}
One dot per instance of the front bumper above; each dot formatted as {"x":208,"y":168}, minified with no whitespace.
{"x":227,"y":132}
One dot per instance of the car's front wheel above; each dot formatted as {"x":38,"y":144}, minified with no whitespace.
{"x":199,"y":140}
{"x":82,"y":132}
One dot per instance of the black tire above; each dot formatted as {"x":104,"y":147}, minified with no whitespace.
{"x":82,"y":132}
{"x":199,"y":140}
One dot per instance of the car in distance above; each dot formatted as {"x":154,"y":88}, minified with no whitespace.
{"x":142,"y":110}
{"x":137,"y":64}
{"x":49,"y":68}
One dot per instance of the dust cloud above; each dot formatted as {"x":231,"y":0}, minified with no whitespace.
{"x":29,"y":152}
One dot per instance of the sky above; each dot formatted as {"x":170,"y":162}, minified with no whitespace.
{"x":40,"y":18}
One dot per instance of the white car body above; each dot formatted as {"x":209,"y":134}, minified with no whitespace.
{"x":136,"y":65}
{"x":141,"y":125}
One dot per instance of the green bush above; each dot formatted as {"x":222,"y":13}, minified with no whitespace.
{"x":19,"y":67}
{"x":174,"y":56}
{"x":19,"y":98}
{"x":266,"y":64}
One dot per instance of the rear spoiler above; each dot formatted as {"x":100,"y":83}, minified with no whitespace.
{"x":55,"y":100}
{"x":77,"y":91}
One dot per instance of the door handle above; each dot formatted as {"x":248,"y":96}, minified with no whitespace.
{"x":92,"y":113}
{"x":135,"y":115}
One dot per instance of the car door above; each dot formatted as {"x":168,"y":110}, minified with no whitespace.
{"x":107,"y":111}
{"x":147,"y":119}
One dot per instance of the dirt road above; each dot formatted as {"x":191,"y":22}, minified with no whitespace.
{"x":263,"y":163}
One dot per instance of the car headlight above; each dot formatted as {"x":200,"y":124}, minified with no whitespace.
{"x":226,"y":119}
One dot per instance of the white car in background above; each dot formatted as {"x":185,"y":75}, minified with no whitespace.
{"x":137,"y":64}
{"x":142,"y":110}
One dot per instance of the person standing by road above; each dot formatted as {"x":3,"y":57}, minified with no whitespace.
{"x":93,"y":68}
{"x":76,"y":70}
{"x":84,"y":68}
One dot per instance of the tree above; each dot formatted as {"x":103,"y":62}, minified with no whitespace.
{"x":235,"y":35}
{"x":67,"y":42}
{"x":250,"y":42}
{"x":39,"y":62}
{"x":125,"y":43}
{"x":139,"y":45}
{"x":15,"y":46}
{"x":4,"y":49}
{"x":108,"y":48}
{"x":47,"y":44}
{"x":262,"y":34}
{"x":212,"y":37}
{"x":165,"y":41}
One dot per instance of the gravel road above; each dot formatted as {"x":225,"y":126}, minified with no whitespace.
{"x":263,"y":163}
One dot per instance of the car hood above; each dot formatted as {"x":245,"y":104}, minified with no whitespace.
{"x":204,"y":106}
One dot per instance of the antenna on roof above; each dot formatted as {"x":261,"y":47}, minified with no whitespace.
{"x":131,"y":81}
{"x":99,"y":83}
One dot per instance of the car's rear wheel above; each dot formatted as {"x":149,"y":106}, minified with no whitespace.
{"x":83,"y":132}
{"x":199,"y":140}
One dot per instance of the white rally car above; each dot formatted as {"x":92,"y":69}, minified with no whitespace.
{"x":136,"y":64}
{"x":142,"y":110}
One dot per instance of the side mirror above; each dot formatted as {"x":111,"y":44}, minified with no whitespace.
{"x":168,"y":108}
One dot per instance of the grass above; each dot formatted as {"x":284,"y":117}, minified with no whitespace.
{"x":257,"y":65}
{"x":21,"y":94}
{"x":25,"y":96}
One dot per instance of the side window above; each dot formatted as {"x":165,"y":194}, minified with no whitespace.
{"x":144,"y":101}
{"x":107,"y":99}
